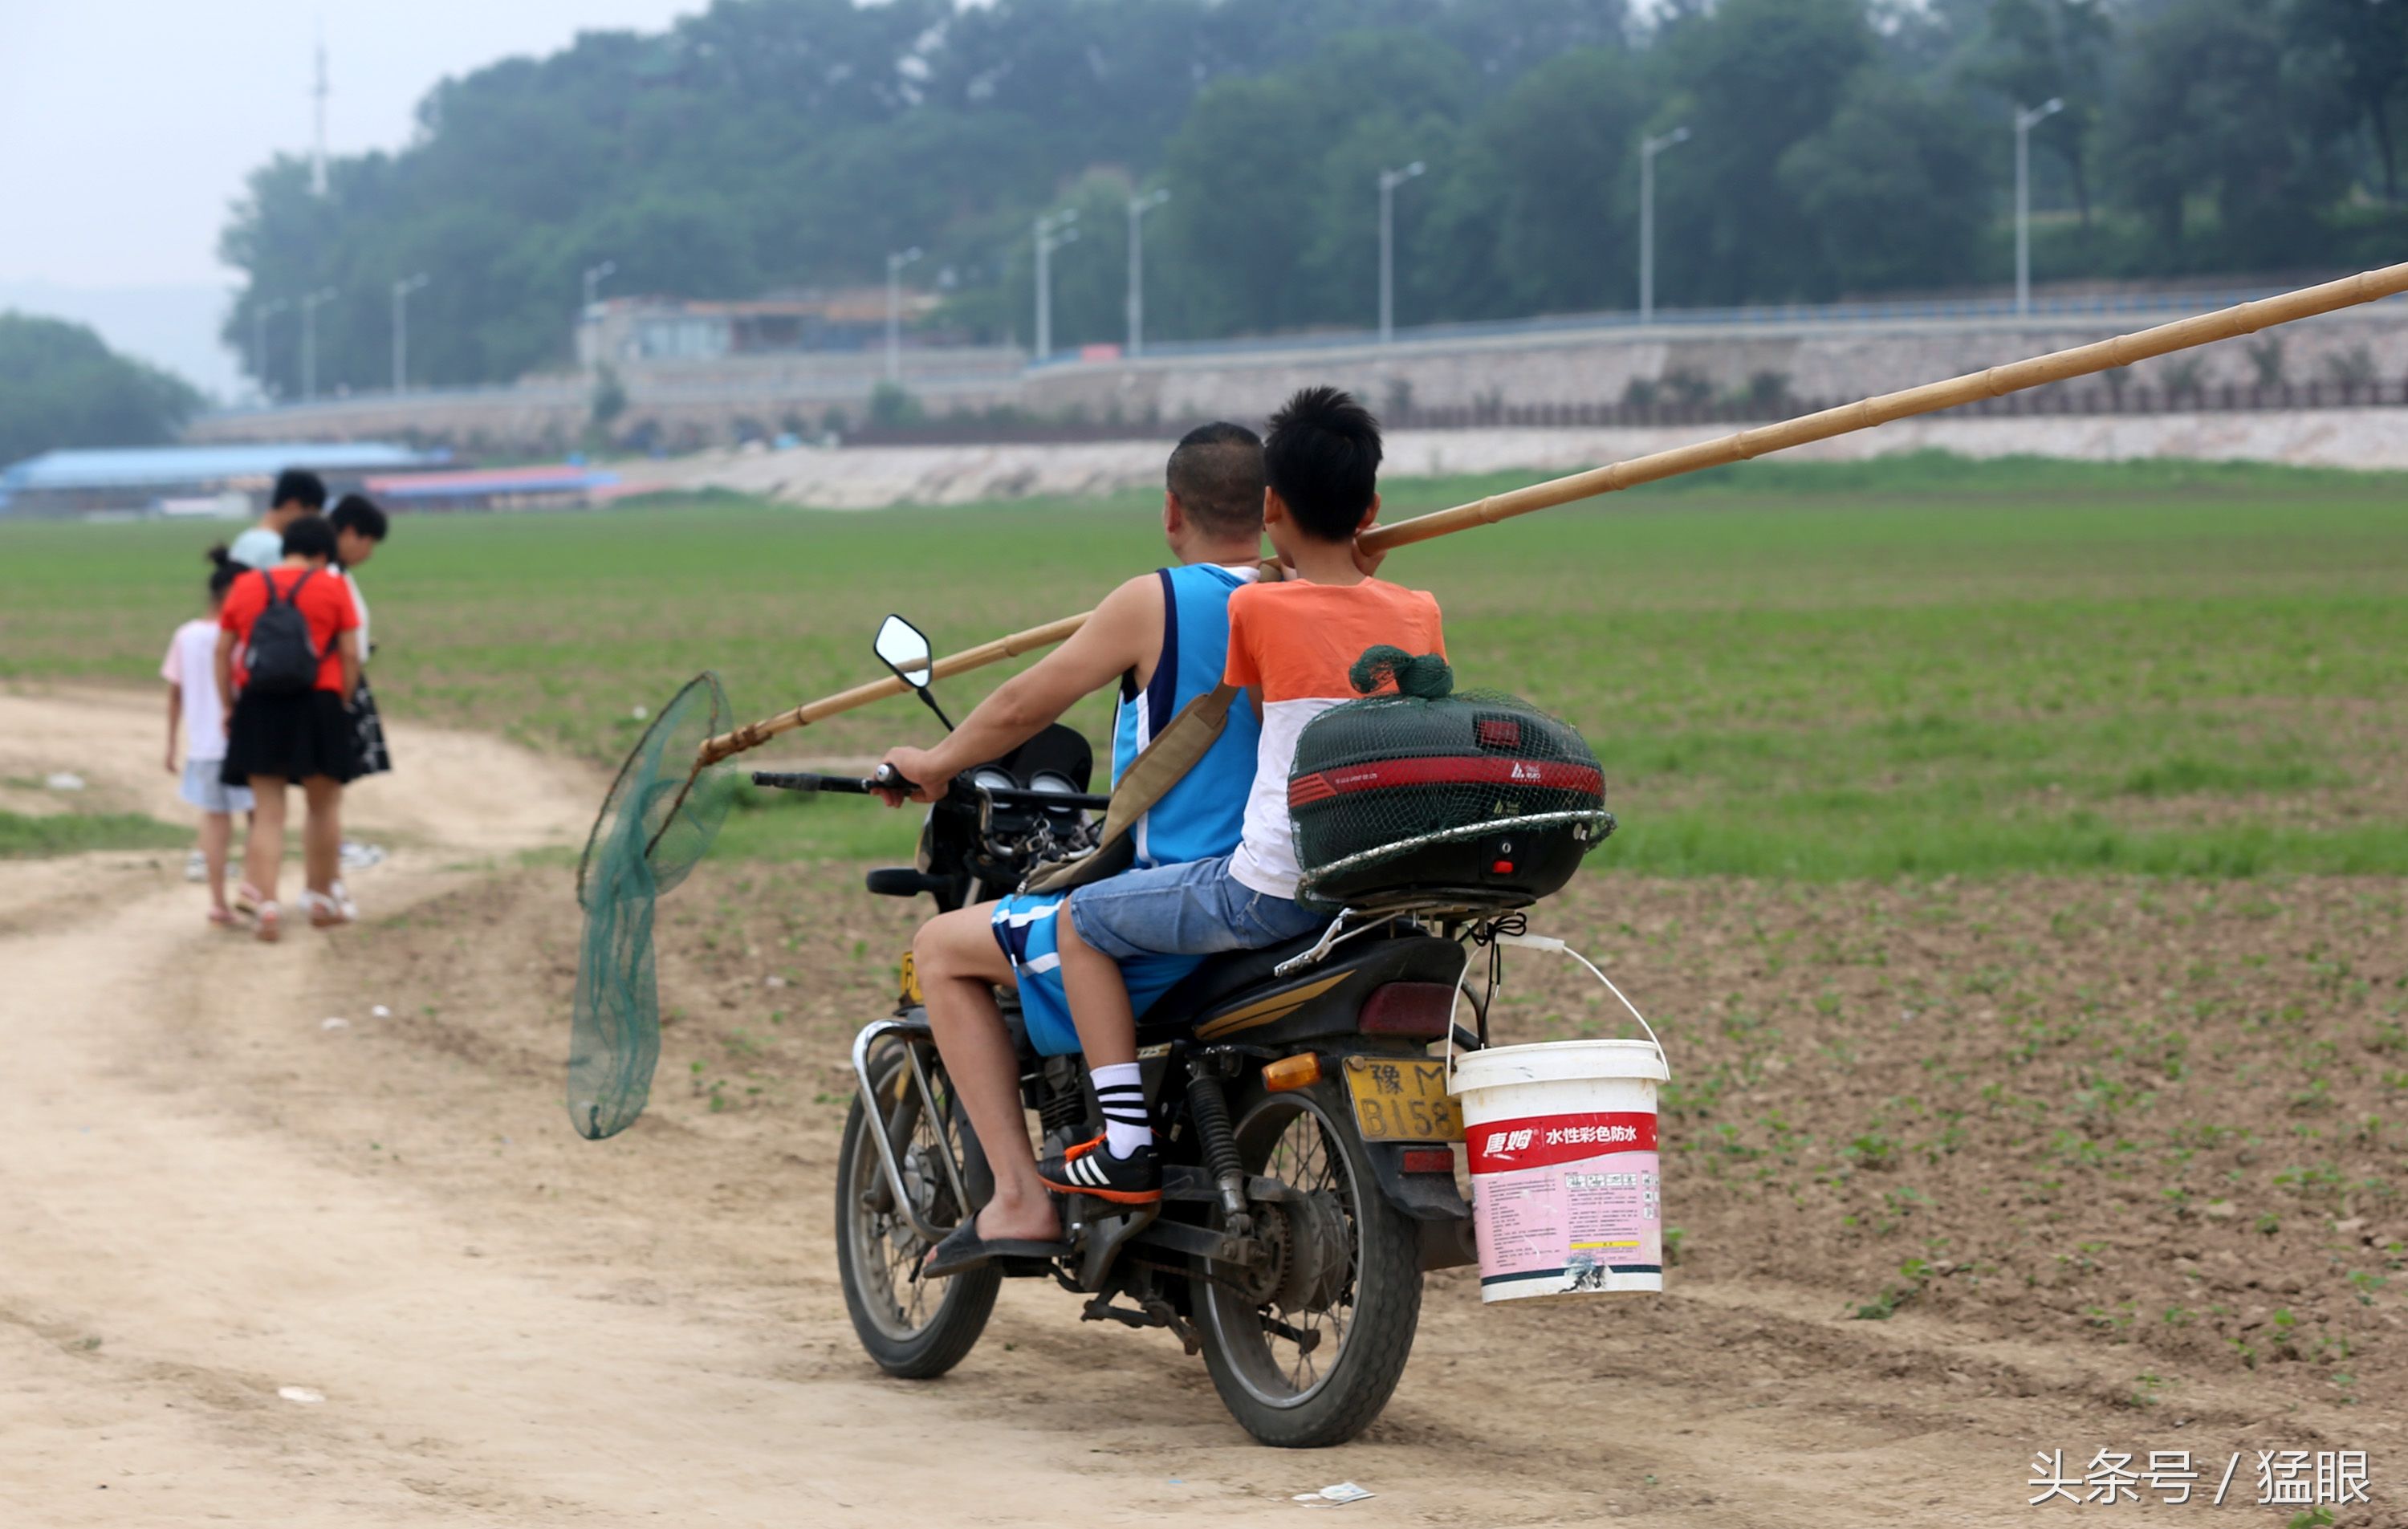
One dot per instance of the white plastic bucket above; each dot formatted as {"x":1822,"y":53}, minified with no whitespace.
{"x":1565,"y":1189}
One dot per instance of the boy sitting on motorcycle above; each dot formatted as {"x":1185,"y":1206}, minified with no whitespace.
{"x":1291,"y":644}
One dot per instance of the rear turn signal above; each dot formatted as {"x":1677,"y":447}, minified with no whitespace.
{"x":1293,"y":1072}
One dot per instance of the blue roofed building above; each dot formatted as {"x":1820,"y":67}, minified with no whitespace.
{"x":150,"y":480}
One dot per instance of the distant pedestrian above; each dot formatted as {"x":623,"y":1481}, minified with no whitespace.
{"x":359,"y":531}
{"x":190,"y":670}
{"x":288,"y":652}
{"x":297,"y":493}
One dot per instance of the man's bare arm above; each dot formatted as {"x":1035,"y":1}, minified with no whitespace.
{"x":1123,"y":629}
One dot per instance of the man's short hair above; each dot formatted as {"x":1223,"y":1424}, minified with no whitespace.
{"x":357,"y":512}
{"x":310,"y":536}
{"x":296,"y":483}
{"x":1217,"y":472}
{"x":1323,"y":456}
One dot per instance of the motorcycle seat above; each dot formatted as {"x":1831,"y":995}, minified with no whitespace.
{"x":1224,"y":977}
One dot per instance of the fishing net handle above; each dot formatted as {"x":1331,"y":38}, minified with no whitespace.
{"x":753,"y":735}
{"x":1741,"y":445}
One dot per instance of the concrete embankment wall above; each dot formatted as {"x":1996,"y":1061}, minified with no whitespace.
{"x":1830,"y":361}
{"x":688,"y":407}
{"x":869,"y":478}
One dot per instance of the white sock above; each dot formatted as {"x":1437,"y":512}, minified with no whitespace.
{"x":1126,"y":1125}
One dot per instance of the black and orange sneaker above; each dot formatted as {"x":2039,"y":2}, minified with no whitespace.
{"x":1089,"y":1169}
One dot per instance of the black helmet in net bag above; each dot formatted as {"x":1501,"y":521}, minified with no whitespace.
{"x":1477,"y":799}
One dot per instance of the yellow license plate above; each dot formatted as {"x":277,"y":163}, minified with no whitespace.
{"x":1402,"y":1100}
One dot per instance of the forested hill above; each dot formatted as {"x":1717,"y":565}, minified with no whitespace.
{"x":1840,"y":146}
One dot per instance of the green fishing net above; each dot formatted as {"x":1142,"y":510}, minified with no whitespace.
{"x":658,"y":821}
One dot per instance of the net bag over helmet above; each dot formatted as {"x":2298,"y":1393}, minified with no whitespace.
{"x":1477,"y":800}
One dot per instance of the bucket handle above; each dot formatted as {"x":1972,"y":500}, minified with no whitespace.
{"x":1548,"y":942}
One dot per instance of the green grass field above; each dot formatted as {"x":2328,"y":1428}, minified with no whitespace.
{"x":1920,"y":666}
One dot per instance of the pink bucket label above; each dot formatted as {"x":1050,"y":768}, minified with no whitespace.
{"x":1570,"y":1197}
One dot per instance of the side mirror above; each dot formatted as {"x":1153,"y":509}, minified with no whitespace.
{"x":904,"y":648}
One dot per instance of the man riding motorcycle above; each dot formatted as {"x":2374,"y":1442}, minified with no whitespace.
{"x":1162,"y":636}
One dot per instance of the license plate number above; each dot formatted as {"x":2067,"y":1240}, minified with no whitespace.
{"x":1402,"y":1100}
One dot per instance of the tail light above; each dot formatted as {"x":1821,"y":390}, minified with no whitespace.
{"x":1420,"y":1009}
{"x":1429,"y":1160}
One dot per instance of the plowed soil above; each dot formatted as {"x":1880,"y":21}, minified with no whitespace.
{"x":1963,"y":1172}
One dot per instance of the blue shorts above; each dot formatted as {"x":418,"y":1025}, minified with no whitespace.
{"x":203,"y":789}
{"x":1023,"y":926}
{"x":1194,"y":909}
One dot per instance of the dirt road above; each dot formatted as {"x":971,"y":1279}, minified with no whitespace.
{"x":210,"y":1194}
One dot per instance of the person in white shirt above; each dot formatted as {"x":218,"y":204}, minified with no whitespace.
{"x":193,"y":703}
{"x":299,"y":493}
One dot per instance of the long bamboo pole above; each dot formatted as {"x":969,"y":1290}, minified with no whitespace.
{"x":1741,"y":445}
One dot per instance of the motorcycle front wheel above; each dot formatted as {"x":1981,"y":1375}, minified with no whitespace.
{"x":913,"y":1327}
{"x":1306,"y":1351}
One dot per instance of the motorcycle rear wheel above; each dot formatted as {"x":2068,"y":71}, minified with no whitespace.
{"x":915,"y":1329}
{"x":1359,"y":1300}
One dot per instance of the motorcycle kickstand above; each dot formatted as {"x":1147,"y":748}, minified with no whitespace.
{"x":1156,"y":1312}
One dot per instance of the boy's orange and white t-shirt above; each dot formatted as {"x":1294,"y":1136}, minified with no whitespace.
{"x":1291,"y":644}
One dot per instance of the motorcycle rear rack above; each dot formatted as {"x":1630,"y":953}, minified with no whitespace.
{"x":913,"y":1033}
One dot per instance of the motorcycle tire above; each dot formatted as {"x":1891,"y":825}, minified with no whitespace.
{"x":920,"y":1340}
{"x":1305,"y":1404}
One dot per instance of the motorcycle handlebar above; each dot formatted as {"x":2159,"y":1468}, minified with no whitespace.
{"x":890,"y":779}
{"x":805,"y":780}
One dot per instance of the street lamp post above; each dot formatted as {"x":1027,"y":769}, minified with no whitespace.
{"x":259,"y":317}
{"x":2025,"y":122}
{"x":593,"y":278}
{"x":309,"y":302}
{"x":401,"y":291}
{"x":1648,"y":148}
{"x":1389,"y":181}
{"x":1139,"y":206}
{"x":1054,"y":231}
{"x":895,"y":260}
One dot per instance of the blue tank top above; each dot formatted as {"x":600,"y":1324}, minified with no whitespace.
{"x":1203,"y":816}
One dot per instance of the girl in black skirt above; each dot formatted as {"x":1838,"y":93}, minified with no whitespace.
{"x":276,"y":738}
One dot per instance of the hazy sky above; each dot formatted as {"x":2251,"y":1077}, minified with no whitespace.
{"x":127,"y":127}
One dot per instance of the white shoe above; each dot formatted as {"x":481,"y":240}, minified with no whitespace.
{"x":342,"y":898}
{"x":196,"y":867}
{"x":325,"y":913}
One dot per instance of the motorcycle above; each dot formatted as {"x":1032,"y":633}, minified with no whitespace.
{"x":1307,"y":1137}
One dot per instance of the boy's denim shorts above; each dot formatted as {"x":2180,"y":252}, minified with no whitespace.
{"x":1196,"y":908}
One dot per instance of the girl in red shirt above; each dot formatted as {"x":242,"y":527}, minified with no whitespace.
{"x":276,"y":738}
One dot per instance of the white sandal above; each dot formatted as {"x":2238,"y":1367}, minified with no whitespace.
{"x":324,"y":911}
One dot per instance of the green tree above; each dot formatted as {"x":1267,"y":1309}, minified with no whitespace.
{"x":1753,"y":77}
{"x":2208,"y":112}
{"x":2362,"y":47}
{"x":1541,"y":206}
{"x":62,"y":387}
{"x":1893,"y":186}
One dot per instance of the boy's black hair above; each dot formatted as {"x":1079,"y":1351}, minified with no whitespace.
{"x":357,"y":512}
{"x":224,"y":570}
{"x":297,"y":483}
{"x":1323,"y":456}
{"x":1216,"y":470}
{"x":310,"y":536}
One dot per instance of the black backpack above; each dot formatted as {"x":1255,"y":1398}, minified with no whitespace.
{"x":282,"y":657}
